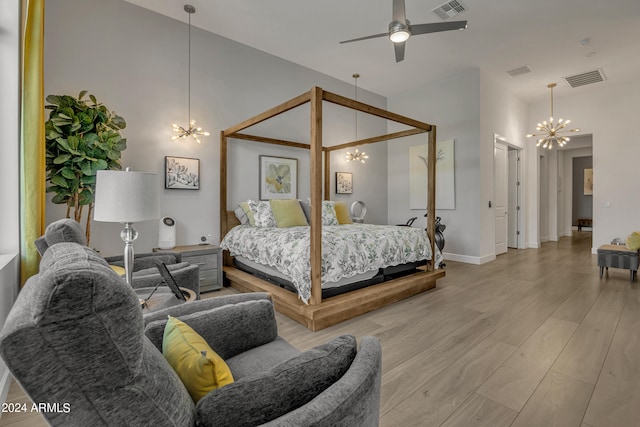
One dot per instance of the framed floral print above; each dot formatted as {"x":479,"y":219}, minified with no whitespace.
{"x":181,"y":173}
{"x":278,"y":178}
{"x":344,"y":183}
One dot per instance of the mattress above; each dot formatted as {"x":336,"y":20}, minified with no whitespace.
{"x":347,"y":250}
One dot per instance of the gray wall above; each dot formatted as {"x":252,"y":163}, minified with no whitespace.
{"x":453,"y":105}
{"x":582,"y":206}
{"x":135,"y":62}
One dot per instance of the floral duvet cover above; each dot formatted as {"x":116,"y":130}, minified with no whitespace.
{"x":346,"y":250}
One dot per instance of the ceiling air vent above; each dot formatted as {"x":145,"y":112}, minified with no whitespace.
{"x":519,"y":71}
{"x":587,"y":78}
{"x":449,"y":9}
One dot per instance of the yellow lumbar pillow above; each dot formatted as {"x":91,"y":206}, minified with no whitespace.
{"x":342,"y":213}
{"x":198,"y":366}
{"x":247,"y":210}
{"x":119,"y":270}
{"x":288,"y":213}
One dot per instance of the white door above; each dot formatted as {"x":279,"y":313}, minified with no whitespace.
{"x":500,"y":196}
{"x":513,"y":187}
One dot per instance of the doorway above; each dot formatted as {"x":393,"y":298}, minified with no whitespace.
{"x":507,"y":195}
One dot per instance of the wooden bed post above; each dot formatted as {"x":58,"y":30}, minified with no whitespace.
{"x":223,"y":183}
{"x":315,"y":231}
{"x":327,"y":175}
{"x":431,"y":195}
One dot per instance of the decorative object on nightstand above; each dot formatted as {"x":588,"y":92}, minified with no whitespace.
{"x":358,"y":210}
{"x":126,"y":197}
{"x":208,"y":258}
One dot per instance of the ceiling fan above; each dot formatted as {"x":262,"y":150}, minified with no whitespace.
{"x":400,"y":29}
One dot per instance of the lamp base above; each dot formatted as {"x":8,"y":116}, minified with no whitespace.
{"x":128,"y":235}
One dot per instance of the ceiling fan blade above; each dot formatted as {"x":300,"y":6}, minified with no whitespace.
{"x":437,"y":27}
{"x":365,"y":38}
{"x":399,"y":48}
{"x":398,"y":11}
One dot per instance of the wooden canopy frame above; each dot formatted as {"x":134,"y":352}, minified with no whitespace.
{"x":319,"y":314}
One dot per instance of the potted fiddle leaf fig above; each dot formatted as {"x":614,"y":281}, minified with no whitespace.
{"x":82,"y":137}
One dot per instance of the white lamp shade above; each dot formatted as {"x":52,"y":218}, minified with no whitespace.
{"x":126,"y":196}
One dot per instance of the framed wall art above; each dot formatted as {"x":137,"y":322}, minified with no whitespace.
{"x":445,"y":176}
{"x":278,"y":178}
{"x":344,"y":183}
{"x":181,"y":173}
{"x":588,"y":182}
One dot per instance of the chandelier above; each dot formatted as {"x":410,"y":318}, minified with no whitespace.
{"x":357,"y":156}
{"x":551,"y":131}
{"x":192,"y":130}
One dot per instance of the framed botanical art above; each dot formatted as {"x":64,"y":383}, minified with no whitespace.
{"x":344,"y":183}
{"x":588,"y":182}
{"x":278,"y":178}
{"x":181,"y":173}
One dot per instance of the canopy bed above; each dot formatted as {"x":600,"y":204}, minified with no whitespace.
{"x":320,"y":313}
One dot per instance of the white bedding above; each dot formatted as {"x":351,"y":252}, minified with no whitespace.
{"x":347,"y":250}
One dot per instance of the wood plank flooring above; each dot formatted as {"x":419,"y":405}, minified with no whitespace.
{"x":534,"y":338}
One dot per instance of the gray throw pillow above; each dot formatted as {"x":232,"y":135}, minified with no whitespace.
{"x":265,"y":396}
{"x":62,"y":230}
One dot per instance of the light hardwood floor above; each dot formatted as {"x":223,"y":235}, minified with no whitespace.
{"x":534,"y":338}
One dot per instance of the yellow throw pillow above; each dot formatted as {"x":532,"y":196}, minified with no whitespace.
{"x":249,"y":212}
{"x":288,"y":213}
{"x":342,"y":213}
{"x":198,"y":366}
{"x":119,"y":270}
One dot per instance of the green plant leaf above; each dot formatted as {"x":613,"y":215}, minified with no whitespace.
{"x":85,"y":167}
{"x":93,"y":99}
{"x":59,"y":199}
{"x":61,"y":159}
{"x":68,"y":173}
{"x":82,"y":93}
{"x":88,"y":180}
{"x":59,"y":181}
{"x":85,"y":197}
{"x":53,"y":99}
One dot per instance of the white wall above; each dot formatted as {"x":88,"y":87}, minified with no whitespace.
{"x":135,"y":62}
{"x":504,"y":114}
{"x":453,"y":106}
{"x":9,"y":161}
{"x":610,"y":113}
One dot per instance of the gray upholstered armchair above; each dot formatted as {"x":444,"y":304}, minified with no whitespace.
{"x":76,"y":335}
{"x":145,"y":273}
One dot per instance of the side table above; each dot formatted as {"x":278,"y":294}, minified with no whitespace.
{"x":208,"y":258}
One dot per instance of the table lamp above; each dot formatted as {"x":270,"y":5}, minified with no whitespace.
{"x":126,"y":197}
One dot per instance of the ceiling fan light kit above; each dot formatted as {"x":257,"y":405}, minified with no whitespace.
{"x":400,"y":29}
{"x":399,"y":32}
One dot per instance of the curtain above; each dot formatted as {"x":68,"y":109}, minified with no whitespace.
{"x":32,"y":141}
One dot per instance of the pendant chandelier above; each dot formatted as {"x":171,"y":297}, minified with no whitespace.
{"x":551,"y":131}
{"x":357,"y":156}
{"x":192,"y":130}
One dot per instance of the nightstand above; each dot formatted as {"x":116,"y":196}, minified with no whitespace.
{"x":208,"y":258}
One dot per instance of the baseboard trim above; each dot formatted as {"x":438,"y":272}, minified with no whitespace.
{"x":468,"y":259}
{"x":533,"y":245}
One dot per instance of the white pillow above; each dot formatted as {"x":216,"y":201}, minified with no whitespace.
{"x":329,"y":213}
{"x":262,"y":213}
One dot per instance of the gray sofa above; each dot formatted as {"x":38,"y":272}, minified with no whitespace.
{"x":76,"y":337}
{"x":145,"y":272}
